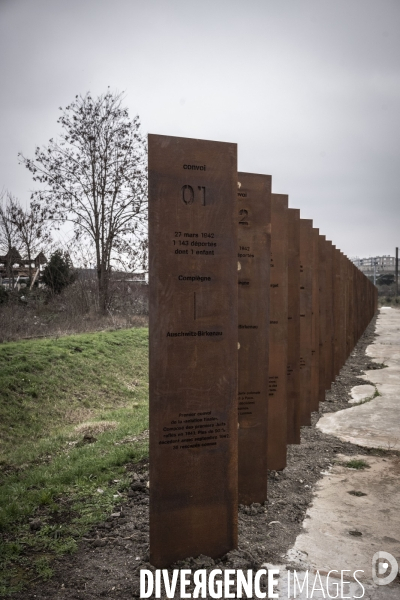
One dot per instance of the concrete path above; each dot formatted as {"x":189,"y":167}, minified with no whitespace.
{"x":355,"y":526}
{"x":356,"y":512}
{"x":362,"y":393}
{"x":303,"y":585}
{"x":375,"y":424}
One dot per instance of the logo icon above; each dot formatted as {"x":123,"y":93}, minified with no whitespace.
{"x":384,"y":568}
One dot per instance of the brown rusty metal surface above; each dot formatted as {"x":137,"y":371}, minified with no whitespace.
{"x":336,"y":310}
{"x":306,"y":260}
{"x":334,"y":301}
{"x":349,"y":306}
{"x":277,"y":401}
{"x":322,"y":315}
{"x":315,"y":322}
{"x":293,"y":368}
{"x":254,"y":240}
{"x":342,"y":323}
{"x":193,"y":348}
{"x":353,"y":307}
{"x":328,"y":316}
{"x":346,"y":301}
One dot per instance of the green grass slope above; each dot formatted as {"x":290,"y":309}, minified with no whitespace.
{"x":70,"y":413}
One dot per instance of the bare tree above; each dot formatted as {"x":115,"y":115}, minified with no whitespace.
{"x":95,"y":178}
{"x":8,"y":232}
{"x":9,"y":237}
{"x":32,"y":230}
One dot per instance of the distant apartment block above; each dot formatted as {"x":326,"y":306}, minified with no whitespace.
{"x":383,"y":264}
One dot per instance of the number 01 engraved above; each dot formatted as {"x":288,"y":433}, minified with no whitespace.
{"x":188,"y":194}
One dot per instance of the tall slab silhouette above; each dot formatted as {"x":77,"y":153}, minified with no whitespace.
{"x":315,"y":323}
{"x":193,"y":348}
{"x":306,"y":262}
{"x":293,"y":365}
{"x":329,"y":376}
{"x":254,"y":239}
{"x":322,"y":284}
{"x":277,"y":404}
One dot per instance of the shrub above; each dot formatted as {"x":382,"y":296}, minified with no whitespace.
{"x":59,"y":272}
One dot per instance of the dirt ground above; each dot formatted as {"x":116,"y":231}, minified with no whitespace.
{"x":108,"y":562}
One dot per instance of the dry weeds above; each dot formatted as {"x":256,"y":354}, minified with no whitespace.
{"x":95,"y":427}
{"x":36,"y":314}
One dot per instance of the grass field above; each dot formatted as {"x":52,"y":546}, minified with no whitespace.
{"x":70,"y":409}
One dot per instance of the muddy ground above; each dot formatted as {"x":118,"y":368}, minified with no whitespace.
{"x":108,"y":562}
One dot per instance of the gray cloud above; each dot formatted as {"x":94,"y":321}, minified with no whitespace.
{"x":310,"y":90}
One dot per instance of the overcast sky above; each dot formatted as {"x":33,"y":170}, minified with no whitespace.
{"x":308,"y":89}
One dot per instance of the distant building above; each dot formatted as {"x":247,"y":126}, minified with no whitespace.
{"x":382,"y":264}
{"x":140,"y":277}
{"x":15,"y":270}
